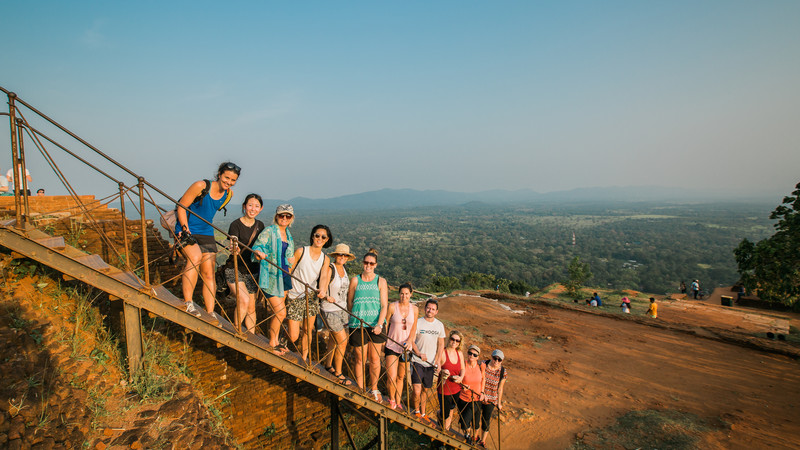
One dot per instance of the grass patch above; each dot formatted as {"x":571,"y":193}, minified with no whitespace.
{"x":647,"y":429}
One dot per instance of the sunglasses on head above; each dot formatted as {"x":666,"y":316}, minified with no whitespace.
{"x":233,"y":167}
{"x":404,"y":323}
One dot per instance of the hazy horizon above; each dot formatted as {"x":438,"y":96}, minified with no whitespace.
{"x":324,"y":99}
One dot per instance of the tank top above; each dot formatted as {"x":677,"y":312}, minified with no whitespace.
{"x":366,"y":303}
{"x":396,"y":330}
{"x":472,"y":378}
{"x":206,"y":209}
{"x":338,"y":290}
{"x":450,"y":387}
{"x":307,"y":270}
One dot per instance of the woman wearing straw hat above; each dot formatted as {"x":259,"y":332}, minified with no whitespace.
{"x":275,"y":244}
{"x":334,"y":311}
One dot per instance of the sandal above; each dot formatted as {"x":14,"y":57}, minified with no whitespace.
{"x":343,"y":380}
{"x":280,"y":349}
{"x":376,"y":394}
{"x":331,"y":370}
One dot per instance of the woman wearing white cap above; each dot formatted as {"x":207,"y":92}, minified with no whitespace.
{"x":275,"y":244}
{"x":495,"y":379}
{"x":334,"y":311}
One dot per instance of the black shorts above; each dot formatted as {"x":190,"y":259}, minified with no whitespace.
{"x":357,"y":341}
{"x":422,"y":374}
{"x":207,"y":243}
{"x":448,"y":402}
{"x":387,"y":351}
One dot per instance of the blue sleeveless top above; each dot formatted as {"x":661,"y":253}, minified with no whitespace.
{"x":205,"y":209}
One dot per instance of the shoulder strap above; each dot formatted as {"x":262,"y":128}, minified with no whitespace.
{"x":228,"y":196}
{"x":302,"y":253}
{"x":203,"y":193}
{"x":253,"y":234}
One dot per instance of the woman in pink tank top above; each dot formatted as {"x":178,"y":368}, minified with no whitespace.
{"x":402,"y":331}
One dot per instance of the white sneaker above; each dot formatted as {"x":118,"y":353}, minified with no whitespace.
{"x":192,"y":309}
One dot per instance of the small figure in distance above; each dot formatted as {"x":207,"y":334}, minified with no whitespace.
{"x":246,"y":229}
{"x":592,"y":301}
{"x":653,"y":310}
{"x":597,"y":299}
{"x":4,"y":186}
{"x":451,"y":365}
{"x":428,"y":348}
{"x":695,"y":287}
{"x":683,"y":287}
{"x":402,"y":331}
{"x":276,"y":245}
{"x":626,"y":305}
{"x":312,"y":266}
{"x":471,"y":393}
{"x":495,"y":375}
{"x":28,"y":178}
{"x":368,"y":302}
{"x":197,"y":236}
{"x":334,"y":311}
{"x":40,"y":192}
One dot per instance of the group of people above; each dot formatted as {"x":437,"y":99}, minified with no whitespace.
{"x":652,"y":310}
{"x":24,"y":180}
{"x":694,"y":288}
{"x":302,"y":282}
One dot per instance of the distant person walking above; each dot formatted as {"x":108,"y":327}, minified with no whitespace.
{"x":695,"y":288}
{"x":683,"y":287}
{"x":204,"y":198}
{"x":653,"y":310}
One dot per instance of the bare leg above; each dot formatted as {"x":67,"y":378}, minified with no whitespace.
{"x":391,"y":376}
{"x":190,"y":272}
{"x":374,"y":364}
{"x":278,"y":314}
{"x":360,"y":356}
{"x":209,"y":283}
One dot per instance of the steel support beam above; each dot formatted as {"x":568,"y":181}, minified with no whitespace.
{"x":383,"y":432}
{"x":133,"y":337}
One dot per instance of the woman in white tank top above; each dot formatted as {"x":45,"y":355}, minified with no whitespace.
{"x":313,"y":268}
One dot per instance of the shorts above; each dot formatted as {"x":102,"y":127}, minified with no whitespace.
{"x":207,"y":243}
{"x":287,"y":285}
{"x":296,"y":307}
{"x":387,"y":351}
{"x":448,"y":402}
{"x":249,"y":283}
{"x":422,"y":374}
{"x":336,"y":320}
{"x":357,"y":341}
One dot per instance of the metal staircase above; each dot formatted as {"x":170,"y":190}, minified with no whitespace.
{"x":136,"y":294}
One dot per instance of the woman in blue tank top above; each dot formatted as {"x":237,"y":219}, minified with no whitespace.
{"x":201,"y":251}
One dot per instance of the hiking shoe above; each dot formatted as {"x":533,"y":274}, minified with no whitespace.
{"x":191,"y":308}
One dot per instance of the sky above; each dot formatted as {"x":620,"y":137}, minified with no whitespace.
{"x":321,"y":99}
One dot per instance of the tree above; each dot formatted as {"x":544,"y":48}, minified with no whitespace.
{"x":579,"y":273}
{"x":771,"y":267}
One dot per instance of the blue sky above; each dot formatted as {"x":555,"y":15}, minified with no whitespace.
{"x":320,"y":99}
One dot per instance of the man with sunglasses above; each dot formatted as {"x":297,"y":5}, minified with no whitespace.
{"x":427,"y":349}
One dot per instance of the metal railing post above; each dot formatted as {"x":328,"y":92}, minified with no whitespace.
{"x":22,"y":175}
{"x":124,"y":224}
{"x":145,"y":260}
{"x":12,"y":117}
{"x":236,"y":313}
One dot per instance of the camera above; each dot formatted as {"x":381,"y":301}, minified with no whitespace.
{"x":186,"y":239}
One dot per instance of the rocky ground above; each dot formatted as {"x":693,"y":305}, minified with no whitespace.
{"x":63,"y":383}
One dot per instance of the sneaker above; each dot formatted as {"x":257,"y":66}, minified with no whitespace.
{"x":392,"y":404}
{"x":192,"y":309}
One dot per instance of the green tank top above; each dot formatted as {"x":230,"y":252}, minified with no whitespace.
{"x":366,"y":303}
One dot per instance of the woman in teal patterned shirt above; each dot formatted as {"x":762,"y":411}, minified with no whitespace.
{"x":368,"y":300}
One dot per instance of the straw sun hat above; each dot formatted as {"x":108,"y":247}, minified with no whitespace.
{"x":343,"y":249}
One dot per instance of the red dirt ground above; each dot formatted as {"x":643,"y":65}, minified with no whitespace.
{"x":574,"y":368}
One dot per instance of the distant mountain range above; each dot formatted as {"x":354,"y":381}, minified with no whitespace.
{"x":409,"y":198}
{"x":385,"y":199}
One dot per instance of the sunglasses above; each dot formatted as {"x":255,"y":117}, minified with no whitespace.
{"x":497,"y":359}
{"x":455,"y":340}
{"x":474,"y":355}
{"x":368,"y":263}
{"x":284,"y":216}
{"x":321,"y":236}
{"x":404,"y":323}
{"x":233,"y":167}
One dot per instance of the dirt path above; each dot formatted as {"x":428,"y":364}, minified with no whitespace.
{"x":570,"y":372}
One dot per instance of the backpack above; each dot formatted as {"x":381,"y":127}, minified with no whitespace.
{"x":170,"y":218}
